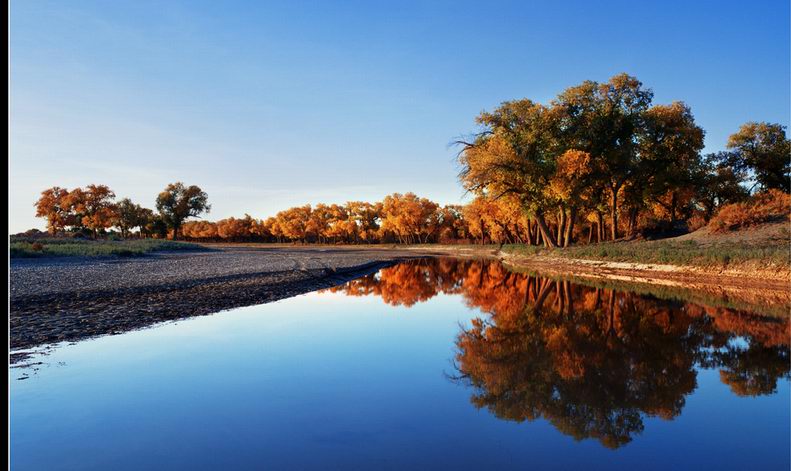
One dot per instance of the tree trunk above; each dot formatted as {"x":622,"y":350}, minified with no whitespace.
{"x":529,"y":233}
{"x":533,"y":234}
{"x":614,"y":211}
{"x":569,"y":226}
{"x":549,"y":241}
{"x":561,"y":227}
{"x":599,"y":227}
{"x":632,"y":221}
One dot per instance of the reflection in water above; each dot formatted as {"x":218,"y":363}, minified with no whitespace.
{"x":592,"y":361}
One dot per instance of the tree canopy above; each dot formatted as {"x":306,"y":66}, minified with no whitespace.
{"x":594,"y":148}
{"x":177,"y":202}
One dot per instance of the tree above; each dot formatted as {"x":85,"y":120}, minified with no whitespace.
{"x":670,"y":144}
{"x":233,"y":228}
{"x":367,"y":217}
{"x":294,"y":223}
{"x":200,"y":229}
{"x":720,"y":183}
{"x":513,"y":155}
{"x":178,"y":203}
{"x":409,"y":217}
{"x":452,"y":225}
{"x":318,"y":222}
{"x":156,"y":226}
{"x":764,"y":149}
{"x":52,"y":206}
{"x":605,"y":120}
{"x":145,"y":222}
{"x":91,"y":208}
{"x":597,"y":147}
{"x":573,"y":185}
{"x":128,"y":215}
{"x":338,"y":227}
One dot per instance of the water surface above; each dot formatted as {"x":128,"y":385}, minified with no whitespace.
{"x":436,"y":363}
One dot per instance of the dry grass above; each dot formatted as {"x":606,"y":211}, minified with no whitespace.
{"x":765,"y":245}
{"x":772,"y":205}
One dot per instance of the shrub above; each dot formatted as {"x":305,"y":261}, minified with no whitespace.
{"x":762,"y":207}
{"x":696,"y":222}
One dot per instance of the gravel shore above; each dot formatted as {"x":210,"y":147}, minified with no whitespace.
{"x":54,"y":300}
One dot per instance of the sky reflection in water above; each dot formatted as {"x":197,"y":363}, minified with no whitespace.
{"x":381,"y":372}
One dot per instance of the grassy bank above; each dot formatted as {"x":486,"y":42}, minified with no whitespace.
{"x":688,"y":252}
{"x":67,"y":247}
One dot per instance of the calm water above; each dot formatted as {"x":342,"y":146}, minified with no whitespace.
{"x":428,"y":364}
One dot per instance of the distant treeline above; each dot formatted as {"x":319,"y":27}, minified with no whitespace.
{"x":597,"y":163}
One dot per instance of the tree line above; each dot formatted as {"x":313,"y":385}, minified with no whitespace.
{"x":93,"y":210}
{"x":598,"y":162}
{"x":601,"y":152}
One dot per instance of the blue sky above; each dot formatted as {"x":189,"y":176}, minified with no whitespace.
{"x":270,"y":105}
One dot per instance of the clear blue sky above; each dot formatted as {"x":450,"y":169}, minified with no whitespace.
{"x":269,"y":105}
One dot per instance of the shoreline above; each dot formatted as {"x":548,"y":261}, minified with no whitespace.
{"x":752,"y":286}
{"x":736,"y":277}
{"x":54,"y":300}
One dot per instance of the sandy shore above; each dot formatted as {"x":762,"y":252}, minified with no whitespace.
{"x":55,"y":300}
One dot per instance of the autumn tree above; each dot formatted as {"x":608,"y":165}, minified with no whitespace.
{"x":156,"y":226}
{"x":596,"y":147}
{"x":574,"y":186}
{"x":90,"y":208}
{"x":274,"y":228}
{"x":294,"y":223}
{"x":605,"y":120}
{"x":235,"y":229}
{"x":318,"y":222}
{"x":669,"y":163}
{"x":129,"y":215}
{"x":409,"y":217}
{"x":366,"y":216}
{"x":719,"y":183}
{"x":452,"y":225}
{"x":52,"y":206}
{"x":204,"y":230}
{"x":514,"y":154}
{"x":178,"y":203}
{"x":259,"y":229}
{"x":763,"y":149}
{"x":340,"y":227}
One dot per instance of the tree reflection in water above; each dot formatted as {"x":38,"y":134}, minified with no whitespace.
{"x":592,"y":361}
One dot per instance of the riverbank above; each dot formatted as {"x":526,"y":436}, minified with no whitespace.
{"x":754,"y":259}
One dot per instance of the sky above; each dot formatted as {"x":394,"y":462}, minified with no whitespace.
{"x":267,"y":105}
